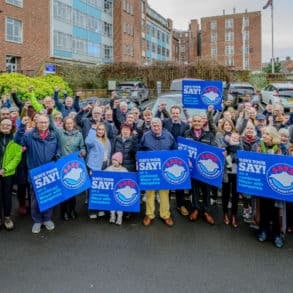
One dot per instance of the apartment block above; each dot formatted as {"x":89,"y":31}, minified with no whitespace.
{"x":233,"y":40}
{"x":103,"y":31}
{"x":188,"y":43}
{"x":25,"y":34}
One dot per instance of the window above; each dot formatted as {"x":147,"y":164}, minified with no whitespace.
{"x":62,"y":12}
{"x":245,"y":21}
{"x":229,"y":36}
{"x":229,"y":23}
{"x":108,"y":6}
{"x":11,"y":63}
{"x":213,"y":25}
{"x":213,"y":37}
{"x":246,"y":63}
{"x":245,"y":35}
{"x":13,"y":30}
{"x":246,"y":49}
{"x":229,"y":61}
{"x":18,"y":3}
{"x":63,"y":41}
{"x":229,"y":50}
{"x":107,"y":29}
{"x":213,"y":51}
{"x":108,"y":52}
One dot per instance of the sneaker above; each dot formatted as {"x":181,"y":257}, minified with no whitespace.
{"x":93,"y":216}
{"x":119,"y":221}
{"x":262,"y":236}
{"x":36,"y":228}
{"x":49,"y":225}
{"x":8,"y":224}
{"x":101,"y":214}
{"x":183,"y":211}
{"x":279,"y":241}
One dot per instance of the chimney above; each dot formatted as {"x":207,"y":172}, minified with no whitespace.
{"x":223,"y":11}
{"x":234,"y":10}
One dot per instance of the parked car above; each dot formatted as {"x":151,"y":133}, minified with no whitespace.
{"x":278,"y":93}
{"x":134,"y":90}
{"x":238,"y":90}
{"x":174,"y":98}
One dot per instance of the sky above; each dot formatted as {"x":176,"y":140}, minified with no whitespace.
{"x":182,"y":11}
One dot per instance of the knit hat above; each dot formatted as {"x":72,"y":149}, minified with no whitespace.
{"x":118,"y":157}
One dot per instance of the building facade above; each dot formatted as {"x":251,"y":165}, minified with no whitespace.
{"x":103,"y":31}
{"x":233,"y":40}
{"x":24,"y":37}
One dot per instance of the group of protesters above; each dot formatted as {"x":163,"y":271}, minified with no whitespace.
{"x":33,"y":133}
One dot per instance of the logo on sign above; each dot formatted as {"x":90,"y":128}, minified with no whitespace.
{"x":126,"y":192}
{"x":209,"y":165}
{"x":72,"y":175}
{"x":280,"y":178}
{"x":210,"y":95}
{"x":175,"y":170}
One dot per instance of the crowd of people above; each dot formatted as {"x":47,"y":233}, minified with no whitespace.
{"x":34,"y":132}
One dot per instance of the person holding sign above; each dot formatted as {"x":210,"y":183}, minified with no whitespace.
{"x":10,"y":157}
{"x":157,"y":139}
{"x":70,"y":140}
{"x":98,"y":152}
{"x":41,"y":145}
{"x":197,"y":133}
{"x":269,"y":209}
{"x":177,"y":128}
{"x":116,"y":166}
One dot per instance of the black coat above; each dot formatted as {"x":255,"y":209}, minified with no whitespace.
{"x":128,"y":148}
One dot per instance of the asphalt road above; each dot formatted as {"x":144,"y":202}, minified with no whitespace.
{"x":94,"y":256}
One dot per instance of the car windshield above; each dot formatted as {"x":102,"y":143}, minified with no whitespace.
{"x":125,"y":86}
{"x":242,"y":90}
{"x":286,"y":92}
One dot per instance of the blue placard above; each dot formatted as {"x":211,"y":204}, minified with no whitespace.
{"x":159,"y":170}
{"x":202,"y":93}
{"x":265,"y":175}
{"x":57,"y":181}
{"x":117,"y":191}
{"x":207,"y":162}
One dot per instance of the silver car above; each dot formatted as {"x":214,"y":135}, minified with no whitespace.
{"x":136,"y":91}
{"x":278,"y":93}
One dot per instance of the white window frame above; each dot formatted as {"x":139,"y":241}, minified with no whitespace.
{"x":229,"y":36}
{"x":17,"y":30}
{"x":18,"y":3}
{"x":214,"y":37}
{"x":229,"y":23}
{"x":214,"y":51}
{"x":213,"y":25}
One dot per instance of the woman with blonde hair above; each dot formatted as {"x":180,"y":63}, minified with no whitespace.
{"x":98,"y":152}
{"x":270,"y":209}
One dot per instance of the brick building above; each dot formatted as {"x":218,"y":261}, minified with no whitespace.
{"x":103,"y":31}
{"x":24,"y":37}
{"x":233,"y":40}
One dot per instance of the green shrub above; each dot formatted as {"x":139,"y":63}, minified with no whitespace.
{"x":43,"y":86}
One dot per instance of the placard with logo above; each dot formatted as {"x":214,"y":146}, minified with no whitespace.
{"x":207,"y":162}
{"x":265,"y":175}
{"x":202,"y":93}
{"x":117,"y":191}
{"x":58,"y":181}
{"x":159,"y":170}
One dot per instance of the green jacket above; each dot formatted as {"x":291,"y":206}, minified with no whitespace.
{"x":11,"y":158}
{"x":36,"y":104}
